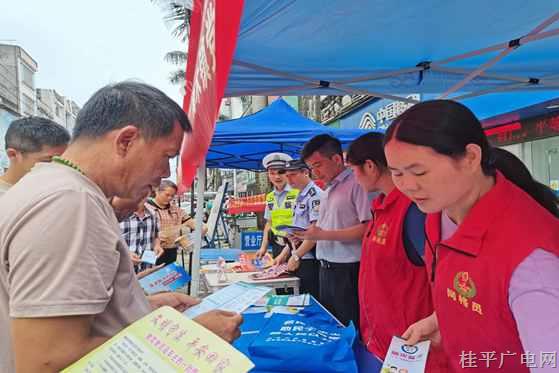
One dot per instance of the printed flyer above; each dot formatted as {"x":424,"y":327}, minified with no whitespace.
{"x":403,"y":358}
{"x":163,"y":341}
{"x":249,"y":263}
{"x":168,"y":278}
{"x":236,"y":297}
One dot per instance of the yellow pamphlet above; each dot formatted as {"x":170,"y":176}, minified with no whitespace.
{"x":163,"y":341}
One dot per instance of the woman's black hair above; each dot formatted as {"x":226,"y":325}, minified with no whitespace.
{"x":512,"y":167}
{"x":448,"y":127}
{"x":367,"y":147}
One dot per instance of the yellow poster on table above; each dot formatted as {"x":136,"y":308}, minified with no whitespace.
{"x":163,"y":341}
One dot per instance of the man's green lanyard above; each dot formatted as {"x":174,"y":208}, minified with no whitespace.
{"x":68,"y":163}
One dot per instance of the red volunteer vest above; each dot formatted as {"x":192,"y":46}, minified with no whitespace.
{"x":393,"y":292}
{"x":472,"y":272}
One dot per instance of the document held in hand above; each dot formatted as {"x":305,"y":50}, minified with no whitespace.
{"x":163,"y":341}
{"x":236,"y":297}
{"x":169,"y":278}
{"x":405,"y":358}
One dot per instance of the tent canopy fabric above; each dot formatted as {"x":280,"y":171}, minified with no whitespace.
{"x":242,"y":143}
{"x":391,"y":48}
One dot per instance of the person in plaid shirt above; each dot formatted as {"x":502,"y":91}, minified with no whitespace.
{"x":140,"y":230}
{"x":172,"y":219}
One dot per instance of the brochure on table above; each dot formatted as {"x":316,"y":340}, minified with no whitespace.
{"x":236,"y":297}
{"x":168,"y":278}
{"x":163,"y":341}
{"x":405,"y":358}
{"x":271,"y":273}
{"x":248,"y":262}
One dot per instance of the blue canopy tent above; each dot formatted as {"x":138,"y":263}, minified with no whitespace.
{"x":464,"y":50}
{"x":390,"y":48}
{"x":242,"y":143}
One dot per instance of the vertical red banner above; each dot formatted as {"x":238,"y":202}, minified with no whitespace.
{"x":213,"y":36}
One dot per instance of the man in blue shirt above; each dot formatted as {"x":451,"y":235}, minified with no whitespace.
{"x":343,"y":217}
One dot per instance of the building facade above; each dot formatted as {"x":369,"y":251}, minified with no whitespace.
{"x":52,"y":105}
{"x":17,"y":90}
{"x":17,"y":80}
{"x":19,"y":96}
{"x":533,"y":136}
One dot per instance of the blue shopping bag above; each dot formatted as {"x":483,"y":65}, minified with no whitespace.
{"x":293,"y":343}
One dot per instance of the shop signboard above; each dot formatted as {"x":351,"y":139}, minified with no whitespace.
{"x":378,"y":115}
{"x":251,"y":240}
{"x":523,"y":131}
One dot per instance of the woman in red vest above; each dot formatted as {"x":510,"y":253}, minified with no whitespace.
{"x":492,"y":242}
{"x":394,"y":289}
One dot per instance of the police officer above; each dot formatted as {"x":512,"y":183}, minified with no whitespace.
{"x":306,"y":213}
{"x":280,"y":203}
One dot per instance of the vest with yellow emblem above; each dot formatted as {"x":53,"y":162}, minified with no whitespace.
{"x":282,"y":214}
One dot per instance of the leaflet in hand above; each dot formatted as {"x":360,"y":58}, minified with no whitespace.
{"x":149,"y":257}
{"x":290,"y":229}
{"x":168,"y":278}
{"x":405,"y":358}
{"x":236,"y":297}
{"x":163,"y":341}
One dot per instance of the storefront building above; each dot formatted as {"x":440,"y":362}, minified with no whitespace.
{"x":532,"y":134}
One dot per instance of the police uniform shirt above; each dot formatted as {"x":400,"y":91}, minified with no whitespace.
{"x":307,"y":207}
{"x":279,"y":196}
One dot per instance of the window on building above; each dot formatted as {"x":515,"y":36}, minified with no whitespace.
{"x":27,"y":76}
{"x":27,"y":105}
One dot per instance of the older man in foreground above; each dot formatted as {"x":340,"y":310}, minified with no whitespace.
{"x":66,"y":279}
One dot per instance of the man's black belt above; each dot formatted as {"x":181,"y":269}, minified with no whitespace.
{"x":329,"y":265}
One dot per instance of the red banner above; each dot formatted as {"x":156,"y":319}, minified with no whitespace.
{"x":246,"y":204}
{"x":213,"y":35}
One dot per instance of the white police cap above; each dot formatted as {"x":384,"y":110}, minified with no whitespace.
{"x":276,"y":160}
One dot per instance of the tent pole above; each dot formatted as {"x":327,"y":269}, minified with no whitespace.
{"x":198,"y":236}
{"x":234,"y":182}
{"x":458,"y":71}
{"x":477,"y":72}
{"x":275,"y":92}
{"x":510,"y":47}
{"x":505,"y":88}
{"x":280,"y":74}
{"x":348,"y":89}
{"x":317,"y":83}
{"x":544,"y":24}
{"x":495,"y":47}
{"x":378,"y":76}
